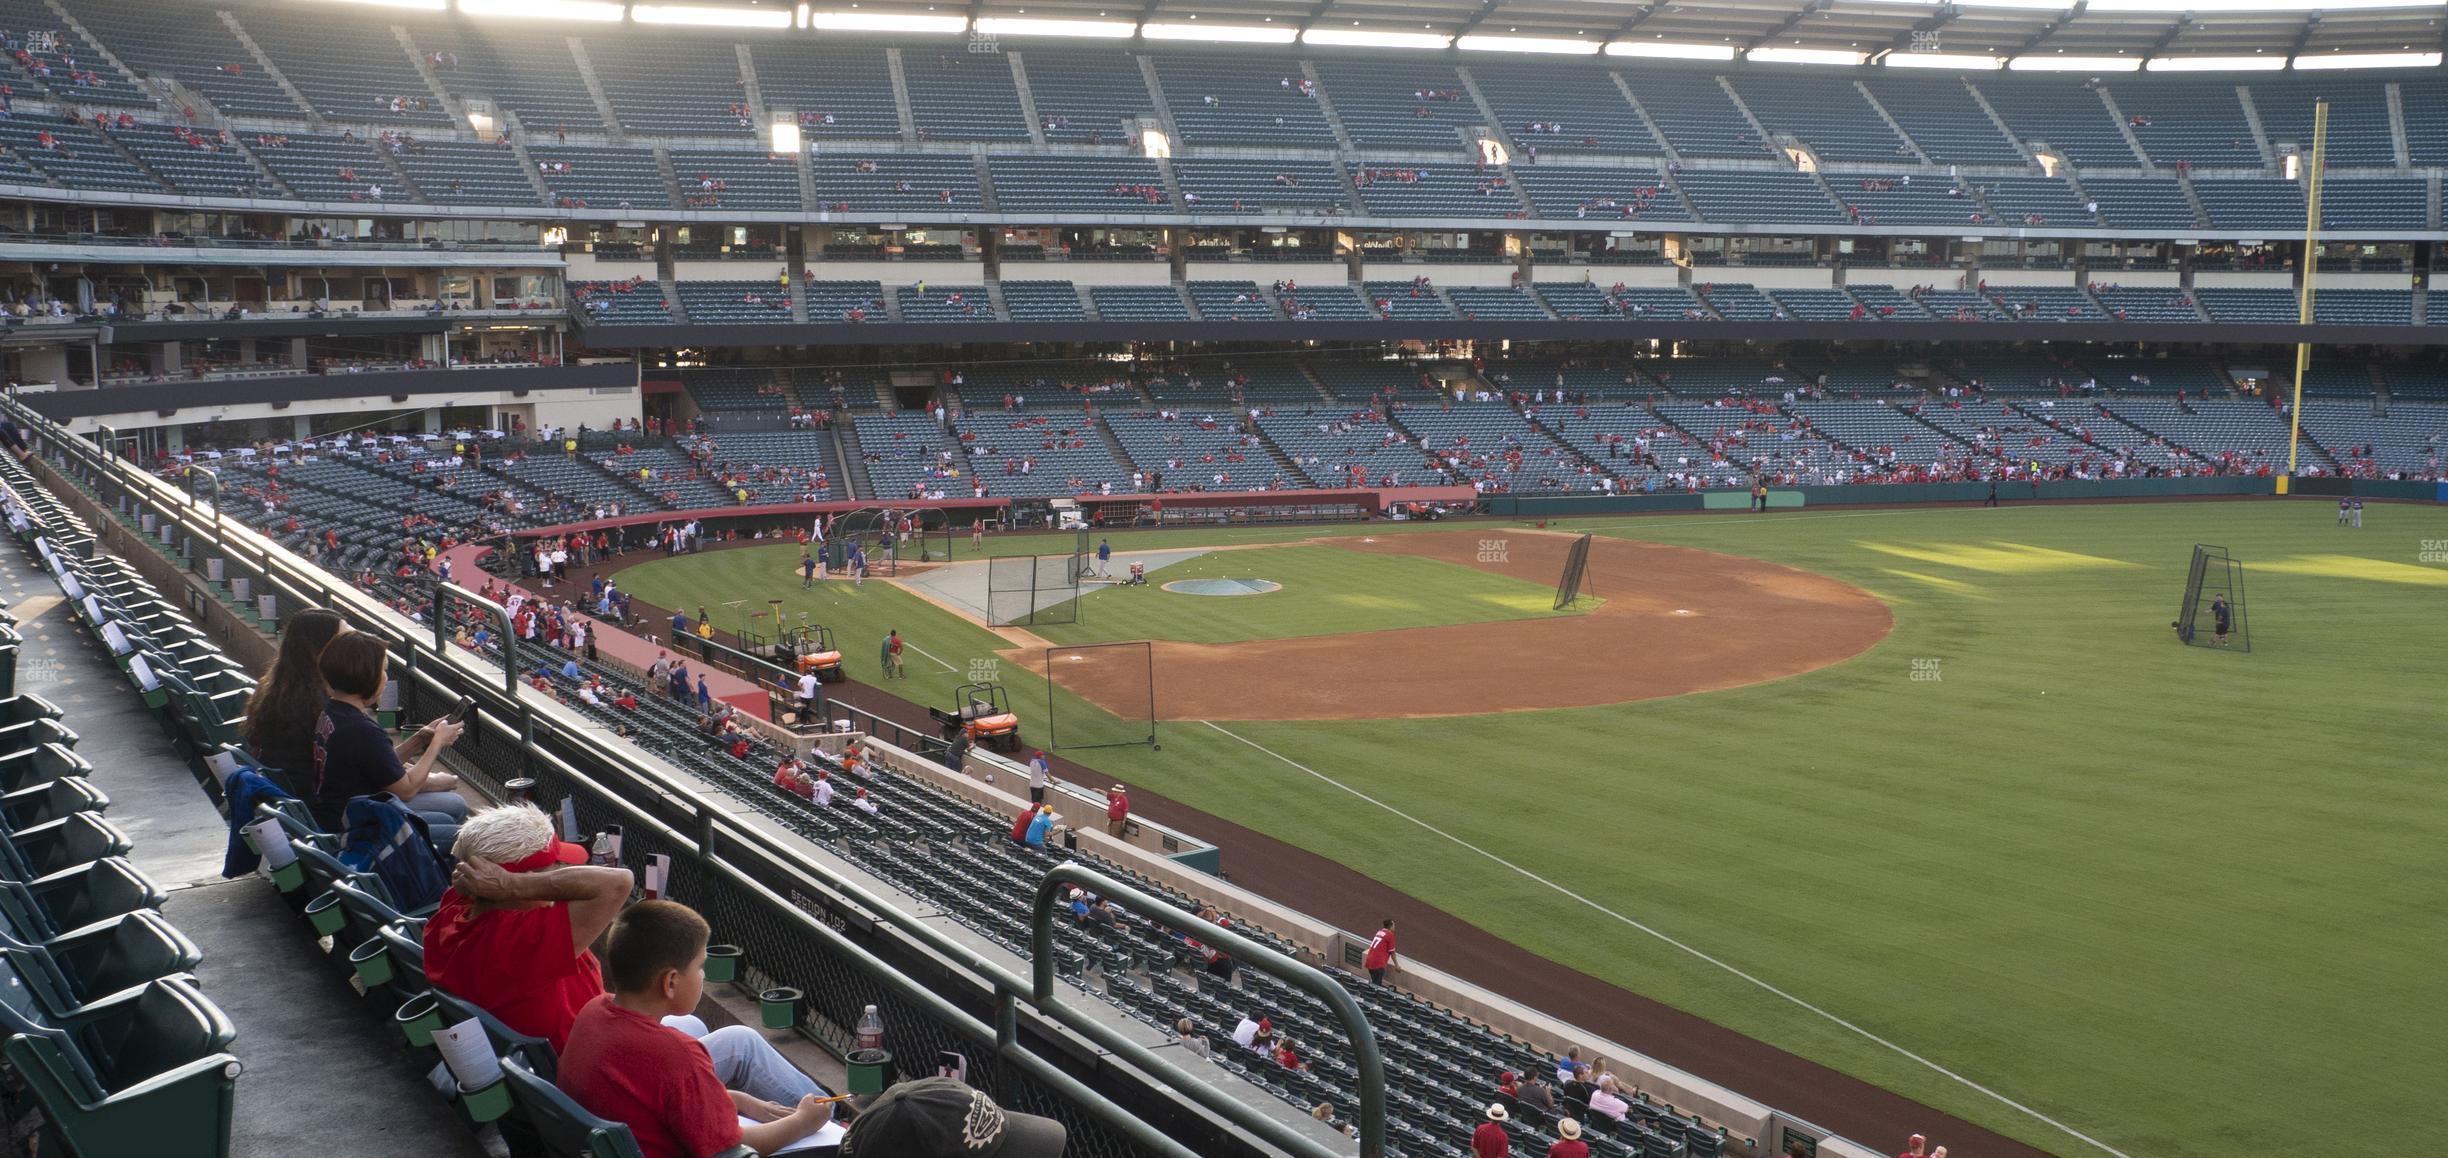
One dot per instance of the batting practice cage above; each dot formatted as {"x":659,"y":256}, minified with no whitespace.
{"x":1101,"y":695}
{"x":1576,"y":565}
{"x":890,"y":536}
{"x":1028,"y":590}
{"x":2215,"y":574}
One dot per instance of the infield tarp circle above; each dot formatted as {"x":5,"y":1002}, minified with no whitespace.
{"x":1223,"y":586}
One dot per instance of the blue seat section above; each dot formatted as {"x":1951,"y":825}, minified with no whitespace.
{"x":1497,"y":303}
{"x":1901,"y":199}
{"x":886,"y":182}
{"x":67,"y":64}
{"x":673,"y":85}
{"x":352,"y":71}
{"x":2140,"y":202}
{"x":2062,"y":112}
{"x":1272,"y":185}
{"x":2046,"y":303}
{"x":189,"y":44}
{"x":956,"y":95}
{"x":1560,"y":192}
{"x":463,"y":173}
{"x":1087,"y":97}
{"x":1560,"y":111}
{"x":2412,"y":439}
{"x":1339,"y":447}
{"x":1401,"y":104}
{"x":2346,"y":203}
{"x":2200,"y":122}
{"x":837,"y":301}
{"x":1236,"y":101}
{"x":1139,"y":303}
{"x":1939,"y":114}
{"x":533,"y":79}
{"x":1759,"y":196}
{"x":1323,"y":302}
{"x":944,"y":303}
{"x":1491,"y":446}
{"x":197,"y":163}
{"x":1823,"y":111}
{"x":2358,"y":116}
{"x":1078,"y":185}
{"x":2033,"y":201}
{"x":2154,"y":304}
{"x":1043,"y":301}
{"x":1230,"y":301}
{"x":1410,"y":189}
{"x":1696,"y":115}
{"x":602,"y":177}
{"x":733,"y":303}
{"x":838,"y":92}
{"x":2425,"y":100}
{"x":711,"y":179}
{"x":312,"y":164}
{"x":76,"y":156}
{"x":1407,"y":300}
{"x":613,"y":304}
{"x":1736,"y":302}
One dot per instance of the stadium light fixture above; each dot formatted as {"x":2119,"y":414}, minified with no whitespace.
{"x":1962,"y":60}
{"x":1670,"y":50}
{"x":2370,"y":60}
{"x":1363,"y":38}
{"x":2217,"y":64}
{"x":710,"y":17}
{"x":1031,"y":26}
{"x":1220,"y":33}
{"x":882,"y":22}
{"x":785,"y":136}
{"x":1807,"y":56}
{"x":427,"y":5}
{"x":544,"y":9}
{"x":2075,"y":64}
{"x":1548,"y":44}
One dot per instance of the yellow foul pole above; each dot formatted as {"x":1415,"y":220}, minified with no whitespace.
{"x":2311,"y":270}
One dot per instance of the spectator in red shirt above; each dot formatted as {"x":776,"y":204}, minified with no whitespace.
{"x":1491,"y":1140}
{"x":625,"y":1064}
{"x":1569,"y":1143}
{"x":1380,"y":953}
{"x":512,"y":931}
{"x":1117,"y":811}
{"x":1915,"y":1147}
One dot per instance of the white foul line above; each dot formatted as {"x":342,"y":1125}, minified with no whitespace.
{"x":2069,"y":1131}
{"x":928,"y":654}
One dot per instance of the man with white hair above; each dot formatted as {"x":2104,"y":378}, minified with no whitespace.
{"x":512,"y":936}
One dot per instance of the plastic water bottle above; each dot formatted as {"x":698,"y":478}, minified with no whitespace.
{"x":870,"y":1029}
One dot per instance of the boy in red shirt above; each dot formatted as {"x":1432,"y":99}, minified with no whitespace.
{"x":624,"y":1064}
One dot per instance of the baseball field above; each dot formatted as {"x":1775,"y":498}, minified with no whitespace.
{"x":1931,"y":796}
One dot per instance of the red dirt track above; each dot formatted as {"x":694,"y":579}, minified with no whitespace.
{"x":1672,"y":620}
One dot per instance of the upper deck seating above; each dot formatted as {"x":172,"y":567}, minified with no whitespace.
{"x":1696,"y":115}
{"x":351,"y":70}
{"x":2062,"y":112}
{"x":961,"y":96}
{"x":1825,"y":112}
{"x":1087,"y":97}
{"x":673,"y":85}
{"x":1230,"y":101}
{"x":837,"y":91}
{"x":1939,"y":114}
{"x":1405,"y":104}
{"x":1560,"y":111}
{"x":602,"y":177}
{"x":535,"y":79}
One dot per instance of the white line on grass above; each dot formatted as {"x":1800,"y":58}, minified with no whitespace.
{"x":1753,"y":519}
{"x":1703,"y":955}
{"x":930,"y":655}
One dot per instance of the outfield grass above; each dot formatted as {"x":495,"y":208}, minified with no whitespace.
{"x":2185,"y":902}
{"x":1326,"y":591}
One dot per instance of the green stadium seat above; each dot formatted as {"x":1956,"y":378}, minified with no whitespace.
{"x":43,"y":803}
{"x":566,"y":1129}
{"x":46,"y":906}
{"x":143,"y":1073}
{"x":40,"y":764}
{"x":112,"y":954}
{"x":75,"y":839}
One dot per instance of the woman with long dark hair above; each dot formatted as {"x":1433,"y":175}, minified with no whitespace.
{"x":281,"y":717}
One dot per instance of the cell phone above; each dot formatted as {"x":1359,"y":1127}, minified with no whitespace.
{"x":459,"y":715}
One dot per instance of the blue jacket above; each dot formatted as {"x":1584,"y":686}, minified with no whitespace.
{"x":244,"y":790}
{"x":1037,"y":829}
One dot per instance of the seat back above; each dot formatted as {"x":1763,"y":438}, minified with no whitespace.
{"x":566,"y":1128}
{"x":108,"y":956}
{"x":34,"y":805}
{"x":507,"y":1042}
{"x":93,"y":892}
{"x":40,"y":764}
{"x":166,"y":1024}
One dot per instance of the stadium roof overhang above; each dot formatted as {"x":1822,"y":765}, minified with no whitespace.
{"x":2121,"y":34}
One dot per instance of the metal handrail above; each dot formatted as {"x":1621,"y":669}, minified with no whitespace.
{"x":211,"y":476}
{"x":1246,"y":951}
{"x":448,"y":594}
{"x":715,"y":828}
